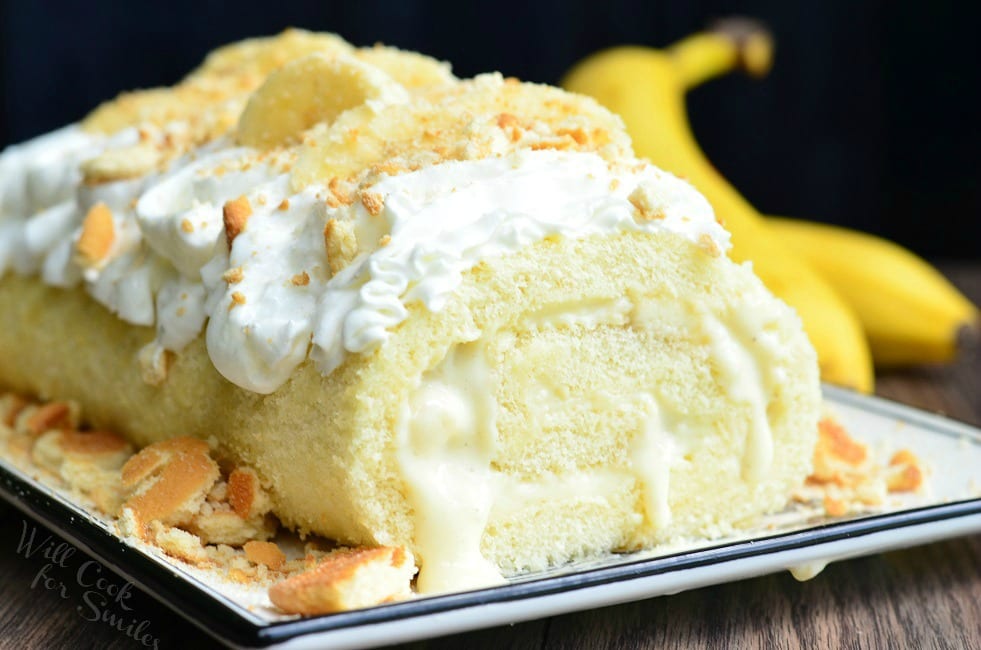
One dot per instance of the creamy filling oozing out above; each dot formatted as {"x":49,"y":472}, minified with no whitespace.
{"x":270,"y":299}
{"x":447,"y":439}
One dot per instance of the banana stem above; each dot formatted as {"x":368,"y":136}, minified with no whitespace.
{"x":729,"y":44}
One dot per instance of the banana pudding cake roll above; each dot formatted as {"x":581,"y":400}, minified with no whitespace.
{"x":456,"y":316}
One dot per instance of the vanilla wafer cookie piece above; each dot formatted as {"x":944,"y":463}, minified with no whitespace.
{"x":347,"y":579}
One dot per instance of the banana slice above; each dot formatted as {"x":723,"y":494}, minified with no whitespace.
{"x":229,"y":72}
{"x":121,"y":164}
{"x":411,"y":69}
{"x":472,"y":119}
{"x":154,"y":105}
{"x":316,"y":88}
{"x":261,"y":56}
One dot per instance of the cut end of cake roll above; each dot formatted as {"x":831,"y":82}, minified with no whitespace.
{"x":640,"y":391}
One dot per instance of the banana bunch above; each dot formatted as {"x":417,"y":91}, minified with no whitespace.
{"x":844,"y":285}
{"x":911,"y":313}
{"x":647,"y":88}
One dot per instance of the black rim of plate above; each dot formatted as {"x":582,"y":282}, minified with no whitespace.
{"x":219,"y":617}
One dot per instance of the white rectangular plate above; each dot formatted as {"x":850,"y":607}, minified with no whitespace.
{"x":949,"y":507}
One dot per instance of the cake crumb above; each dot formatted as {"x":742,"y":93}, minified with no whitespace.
{"x":98,"y":234}
{"x":235,"y":215}
{"x":709,"y":245}
{"x":243,"y":488}
{"x":233,"y":275}
{"x":647,"y":206}
{"x":301,"y":279}
{"x":265,"y":553}
{"x":835,"y":507}
{"x":339,"y":192}
{"x":906,"y":473}
{"x":505,"y":120}
{"x":341,"y":244}
{"x":53,"y":415}
{"x":372,"y":202}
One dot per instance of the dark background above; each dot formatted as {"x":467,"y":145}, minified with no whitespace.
{"x":869,"y":117}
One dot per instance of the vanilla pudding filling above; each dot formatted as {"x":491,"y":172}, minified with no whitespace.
{"x":447,"y":438}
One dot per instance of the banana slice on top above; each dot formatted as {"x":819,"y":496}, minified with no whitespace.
{"x":316,"y":88}
{"x":411,"y":69}
{"x":261,"y":56}
{"x":154,"y":105}
{"x":228,"y":73}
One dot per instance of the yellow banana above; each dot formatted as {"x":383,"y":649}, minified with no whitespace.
{"x":911,"y":313}
{"x":647,"y":87}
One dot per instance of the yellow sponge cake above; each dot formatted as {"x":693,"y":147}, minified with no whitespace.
{"x":453,"y":316}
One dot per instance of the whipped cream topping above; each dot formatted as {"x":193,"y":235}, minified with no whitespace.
{"x":270,"y":300}
{"x":444,"y":219}
{"x":38,"y":178}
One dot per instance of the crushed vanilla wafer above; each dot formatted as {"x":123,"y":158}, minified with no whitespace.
{"x":235,"y":215}
{"x":347,"y":579}
{"x":848,"y":479}
{"x":98,"y":233}
{"x":175,"y":496}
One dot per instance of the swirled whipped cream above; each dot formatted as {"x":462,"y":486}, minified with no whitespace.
{"x":38,"y":178}
{"x":308,"y":274}
{"x":315,"y":245}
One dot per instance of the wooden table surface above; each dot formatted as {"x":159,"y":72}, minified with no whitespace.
{"x":926,"y":597}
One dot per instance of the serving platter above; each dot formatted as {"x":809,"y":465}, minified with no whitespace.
{"x":801,"y":539}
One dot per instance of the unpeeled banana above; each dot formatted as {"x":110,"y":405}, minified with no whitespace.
{"x":911,"y":313}
{"x":647,"y":87}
